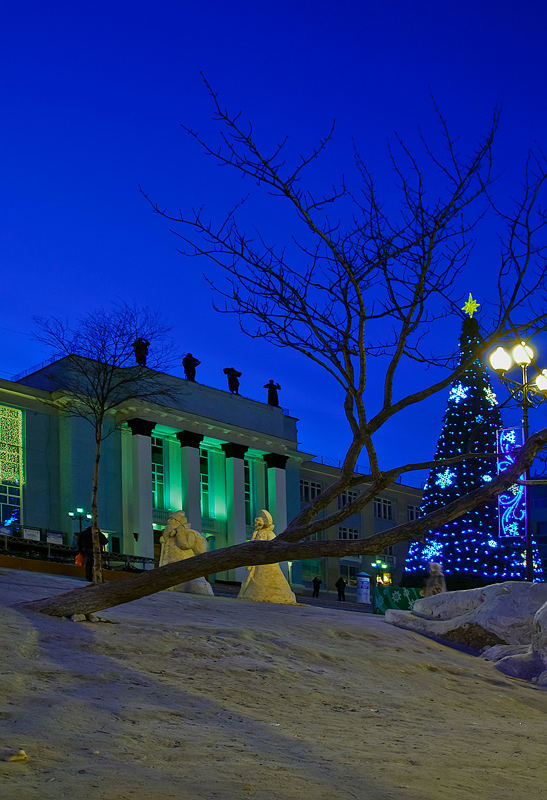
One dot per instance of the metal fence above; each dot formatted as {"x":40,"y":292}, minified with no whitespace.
{"x":64,"y":554}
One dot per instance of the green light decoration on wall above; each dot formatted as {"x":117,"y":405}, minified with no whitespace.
{"x":11,"y":445}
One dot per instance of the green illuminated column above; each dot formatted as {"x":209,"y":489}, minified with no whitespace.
{"x":277,"y":494}
{"x":235,"y":498}
{"x":189,"y":452}
{"x":174,"y":488}
{"x":141,"y":446}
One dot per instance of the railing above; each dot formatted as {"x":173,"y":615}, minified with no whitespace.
{"x":64,"y":554}
{"x":334,"y":462}
{"x":161,"y":515}
{"x":36,"y":368}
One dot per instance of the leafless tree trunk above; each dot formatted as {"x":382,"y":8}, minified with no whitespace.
{"x":98,"y":373}
{"x":85,"y":601}
{"x":97,"y":560}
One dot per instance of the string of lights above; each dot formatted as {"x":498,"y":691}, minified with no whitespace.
{"x":470,"y":547}
{"x":11,"y":445}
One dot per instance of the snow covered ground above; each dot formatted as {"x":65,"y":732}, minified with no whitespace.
{"x":209,"y":697}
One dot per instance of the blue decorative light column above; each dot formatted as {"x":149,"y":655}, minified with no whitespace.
{"x":528,"y":394}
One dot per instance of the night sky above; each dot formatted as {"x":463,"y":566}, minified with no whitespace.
{"x":93,"y":96}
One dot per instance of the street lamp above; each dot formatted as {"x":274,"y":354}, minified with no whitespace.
{"x":529,"y":394}
{"x":80,"y":515}
{"x":379,"y":565}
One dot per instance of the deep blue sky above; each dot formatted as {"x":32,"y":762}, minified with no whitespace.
{"x":93,"y":97}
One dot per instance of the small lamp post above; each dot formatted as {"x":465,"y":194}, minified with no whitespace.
{"x":529,"y":394}
{"x":80,"y":515}
{"x":379,"y":565}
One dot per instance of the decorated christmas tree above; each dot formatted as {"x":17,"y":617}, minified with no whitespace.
{"x":469,"y":547}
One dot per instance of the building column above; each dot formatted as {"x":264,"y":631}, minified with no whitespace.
{"x":277,"y":495}
{"x":235,"y":498}
{"x":141,"y":502}
{"x":191,"y":490}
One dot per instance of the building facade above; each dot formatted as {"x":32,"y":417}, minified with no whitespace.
{"x":219,"y":457}
{"x":392,"y":507}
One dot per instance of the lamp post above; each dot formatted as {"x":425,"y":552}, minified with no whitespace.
{"x":80,"y":515}
{"x":379,"y":565}
{"x":529,"y":394}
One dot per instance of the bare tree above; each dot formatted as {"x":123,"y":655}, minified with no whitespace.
{"x":98,"y":373}
{"x":360,"y":293}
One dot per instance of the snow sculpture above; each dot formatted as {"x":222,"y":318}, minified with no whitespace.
{"x":528,"y":662}
{"x":498,"y":614}
{"x":266,"y":582}
{"x":179,"y":541}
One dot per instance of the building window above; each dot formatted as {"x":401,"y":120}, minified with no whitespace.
{"x":349,"y":573}
{"x":348,"y":533}
{"x":383,"y":509}
{"x":248,"y":494}
{"x":10,"y":504}
{"x":314,"y":537}
{"x":204,"y":481}
{"x":347,"y":497}
{"x":311,"y":568}
{"x":158,"y":473}
{"x":412,"y":513}
{"x":309,"y":490}
{"x":539,"y":502}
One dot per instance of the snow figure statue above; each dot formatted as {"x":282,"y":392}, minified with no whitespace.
{"x":266,"y":582}
{"x":179,"y":541}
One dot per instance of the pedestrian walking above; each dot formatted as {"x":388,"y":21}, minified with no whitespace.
{"x":341,"y":584}
{"x":316,"y":584}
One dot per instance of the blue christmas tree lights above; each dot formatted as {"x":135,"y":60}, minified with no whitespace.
{"x":469,"y":548}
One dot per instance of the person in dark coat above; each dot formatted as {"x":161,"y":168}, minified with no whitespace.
{"x":316,"y":584}
{"x":273,"y":397}
{"x":140,"y":348}
{"x":341,"y":586}
{"x":85,"y":547}
{"x":189,"y":364}
{"x":233,"y":383}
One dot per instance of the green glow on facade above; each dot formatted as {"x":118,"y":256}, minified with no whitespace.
{"x":11,"y":445}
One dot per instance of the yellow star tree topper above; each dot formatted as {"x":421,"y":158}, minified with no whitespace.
{"x":471,"y":306}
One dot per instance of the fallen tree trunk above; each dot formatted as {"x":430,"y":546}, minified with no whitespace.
{"x":90,"y":599}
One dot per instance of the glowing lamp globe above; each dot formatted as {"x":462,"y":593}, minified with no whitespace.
{"x":541,"y":381}
{"x":523,"y":354}
{"x":501,"y":360}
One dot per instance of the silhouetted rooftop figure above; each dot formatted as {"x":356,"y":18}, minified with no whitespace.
{"x":189,"y":364}
{"x":232,"y":374}
{"x":273,"y":397}
{"x":140,"y":348}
